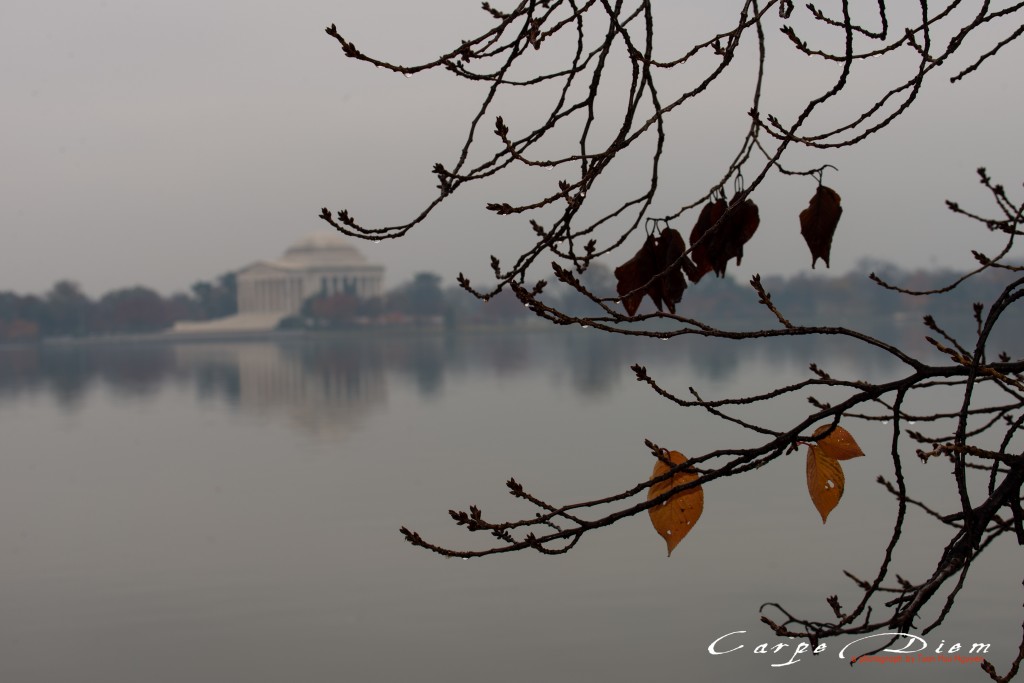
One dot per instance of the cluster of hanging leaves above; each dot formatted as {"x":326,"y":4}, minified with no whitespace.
{"x":737,"y":222}
{"x":676,"y":516}
{"x":655,"y":271}
{"x":825,"y":478}
{"x":660,"y":269}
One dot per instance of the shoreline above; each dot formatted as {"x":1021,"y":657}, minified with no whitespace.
{"x":271,"y":335}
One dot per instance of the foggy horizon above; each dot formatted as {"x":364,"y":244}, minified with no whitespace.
{"x":163,"y":145}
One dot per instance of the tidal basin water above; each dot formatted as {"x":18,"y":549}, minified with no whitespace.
{"x":215,"y":512}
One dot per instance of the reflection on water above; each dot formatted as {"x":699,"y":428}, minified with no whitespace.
{"x":323,"y":379}
{"x":318,"y":387}
{"x":214,"y":512}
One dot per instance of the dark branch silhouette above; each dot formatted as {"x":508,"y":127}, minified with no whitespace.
{"x":603,"y":51}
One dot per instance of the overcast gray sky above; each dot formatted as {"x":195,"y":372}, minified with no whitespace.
{"x":160,"y":143}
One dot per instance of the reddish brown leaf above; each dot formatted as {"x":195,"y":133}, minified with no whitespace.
{"x":738,"y":226}
{"x":701,"y":241}
{"x":657,"y":271}
{"x":634,"y":274}
{"x":818,"y":223}
{"x":671,"y":263}
{"x":714,"y":247}
{"x":747,"y":219}
{"x":674,"y":518}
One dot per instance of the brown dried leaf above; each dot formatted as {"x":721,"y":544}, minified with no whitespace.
{"x":839,"y":445}
{"x":671,"y":285}
{"x":825,"y":480}
{"x":657,"y":271}
{"x":674,"y":518}
{"x":738,"y":226}
{"x":746,"y":219}
{"x":818,"y":223}
{"x":709,"y":215}
{"x":634,"y":274}
{"x":715,"y":247}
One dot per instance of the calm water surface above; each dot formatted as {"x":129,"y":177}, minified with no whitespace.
{"x":230,"y":512}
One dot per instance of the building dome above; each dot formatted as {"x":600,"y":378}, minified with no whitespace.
{"x":324,"y":263}
{"x":323,"y":249}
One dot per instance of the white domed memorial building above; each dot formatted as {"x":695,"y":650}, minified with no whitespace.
{"x":269,"y":291}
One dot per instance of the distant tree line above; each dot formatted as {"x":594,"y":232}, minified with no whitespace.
{"x":65,"y":311}
{"x":422,"y":300}
{"x":816,"y":298}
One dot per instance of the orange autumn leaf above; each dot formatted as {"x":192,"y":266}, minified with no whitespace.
{"x":674,"y":518}
{"x":825,"y":479}
{"x":839,"y":444}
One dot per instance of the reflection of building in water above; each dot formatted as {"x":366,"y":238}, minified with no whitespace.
{"x":323,"y":389}
{"x":268,"y":291}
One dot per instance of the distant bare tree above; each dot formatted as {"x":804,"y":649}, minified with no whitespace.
{"x":612,"y":91}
